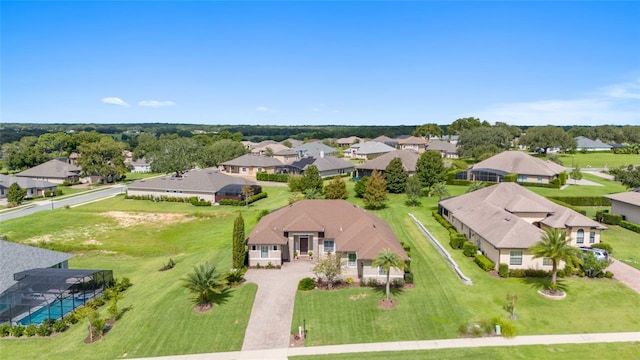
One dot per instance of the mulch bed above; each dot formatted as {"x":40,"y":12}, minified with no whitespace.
{"x":203,"y":308}
{"x":296,"y":341}
{"x":387,"y":304}
{"x":553,"y":294}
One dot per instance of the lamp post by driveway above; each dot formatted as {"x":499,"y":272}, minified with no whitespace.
{"x":51,"y":204}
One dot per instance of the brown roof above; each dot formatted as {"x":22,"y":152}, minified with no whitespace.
{"x":208,"y":180}
{"x":517,"y":162}
{"x":409,"y":160}
{"x":629,"y":197}
{"x":439,"y":145}
{"x":352,"y":228}
{"x":412,"y":140}
{"x":491,"y":213}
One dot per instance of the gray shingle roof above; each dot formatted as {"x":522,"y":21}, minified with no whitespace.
{"x":52,"y":169}
{"x":25,"y":183}
{"x":516,"y":162}
{"x":439,"y":145}
{"x":250,"y":160}
{"x":372,"y":147}
{"x":586,"y":143}
{"x":629,"y":197}
{"x":314,"y":149}
{"x":409,"y":160}
{"x":208,"y":180}
{"x":326,"y":163}
{"x":17,"y":257}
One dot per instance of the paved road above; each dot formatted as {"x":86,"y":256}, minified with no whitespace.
{"x":284,"y":353}
{"x":44,"y":205}
{"x":270,"y":322}
{"x":626,"y":274}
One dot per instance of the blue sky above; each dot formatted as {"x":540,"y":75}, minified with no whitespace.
{"x":297,"y":63}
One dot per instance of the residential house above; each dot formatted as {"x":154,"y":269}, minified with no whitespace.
{"x":506,"y":219}
{"x":448,"y":138}
{"x":35,"y":188}
{"x":286,"y":155}
{"x":527,"y":167}
{"x":249,"y":165}
{"x":206,"y":184}
{"x":414,"y":143}
{"x":268,"y":149}
{"x":626,"y":204}
{"x":445,"y":148}
{"x":316,"y":228}
{"x":367,"y":150}
{"x":348,"y":141}
{"x":586,"y":144}
{"x":314,"y":149}
{"x":386,"y":140}
{"x":409,"y":160}
{"x":140,"y":165}
{"x":53,"y":171}
{"x":327,"y":166}
{"x":292,"y":142}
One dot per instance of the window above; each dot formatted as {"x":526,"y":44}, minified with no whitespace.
{"x":515,"y":258}
{"x":381,"y":271}
{"x":522,"y":178}
{"x":547,"y":262}
{"x":264,"y":251}
{"x":592,"y":237}
{"x":329,"y":246}
{"x":353,"y":259}
{"x":244,"y":169}
{"x":275,"y":247}
{"x":580,"y":237}
{"x":539,"y":179}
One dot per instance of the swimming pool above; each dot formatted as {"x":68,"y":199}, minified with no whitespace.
{"x":59,"y":308}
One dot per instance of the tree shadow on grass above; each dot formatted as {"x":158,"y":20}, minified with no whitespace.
{"x":223,"y":297}
{"x":539,"y":284}
{"x":123,"y":311}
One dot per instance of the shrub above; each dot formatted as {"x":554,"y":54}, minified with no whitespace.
{"x":258,"y":266}
{"x":534,"y":273}
{"x":484,"y":262}
{"x":349,"y":281}
{"x":503,"y":270}
{"x":610,"y":219}
{"x":507,"y":327}
{"x":456,"y":239}
{"x":71,"y":318}
{"x":59,"y":192}
{"x":397,"y":283}
{"x":372,"y":282}
{"x":95,"y":303}
{"x":469,"y":249}
{"x":307,"y":284}
{"x":604,"y":246}
{"x":17,"y":330}
{"x":5,"y":329}
{"x":569,"y":270}
{"x":196,"y":202}
{"x":235,"y":276}
{"x":408,"y":278}
{"x":232,"y":202}
{"x":630,"y":226}
{"x":169,"y":265}
{"x":262,"y":214}
{"x":510,"y":177}
{"x":43,"y":330}
{"x":269,"y":265}
{"x":60,"y":326}
{"x":608,"y":274}
{"x":123,"y":284}
{"x":442,"y":221}
{"x":516,"y":273}
{"x":30,"y":330}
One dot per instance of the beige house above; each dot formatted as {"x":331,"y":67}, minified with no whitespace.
{"x":54,"y":171}
{"x":269,"y":148}
{"x":348,"y":141}
{"x":35,"y":188}
{"x":312,"y":229}
{"x":249,"y":165}
{"x":445,"y":148}
{"x":414,"y":143}
{"x":626,"y":204}
{"x":367,"y":150}
{"x":504,"y":220}
{"x":409,"y":160}
{"x":527,"y":167}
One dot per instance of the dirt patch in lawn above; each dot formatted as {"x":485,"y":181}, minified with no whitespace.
{"x":296,"y":341}
{"x":387,"y":304}
{"x":127,"y":219}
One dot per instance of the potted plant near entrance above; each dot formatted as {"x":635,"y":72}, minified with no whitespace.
{"x":310,"y":254}
{"x":295,"y":255}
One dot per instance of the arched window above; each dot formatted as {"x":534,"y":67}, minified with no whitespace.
{"x":580,"y":238}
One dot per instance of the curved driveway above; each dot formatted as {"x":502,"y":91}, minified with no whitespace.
{"x":270,"y":322}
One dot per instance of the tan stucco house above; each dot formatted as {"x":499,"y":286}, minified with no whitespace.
{"x":54,"y":171}
{"x":626,"y":204}
{"x":414,"y":143}
{"x":409,"y":159}
{"x":504,"y":220}
{"x":527,"y":167}
{"x":319,"y":227}
{"x":249,"y":165}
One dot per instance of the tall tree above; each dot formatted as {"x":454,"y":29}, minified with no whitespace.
{"x":104,"y":158}
{"x":336,"y":189}
{"x":554,"y":245}
{"x":174,"y":155}
{"x":311,"y":179}
{"x":219,"y":152}
{"x":16,"y":194}
{"x":375,"y":195}
{"x":428,"y":130}
{"x":204,"y":283}
{"x":23,"y":154}
{"x":361,"y":186}
{"x":629,"y":176}
{"x":239,"y":247}
{"x":479,"y":142}
{"x":396,"y":176}
{"x":462,"y":124}
{"x":387,"y":260}
{"x":547,"y":137}
{"x":413,"y":190}
{"x":430,"y":169}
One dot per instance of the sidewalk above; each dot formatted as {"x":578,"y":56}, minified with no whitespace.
{"x":415,"y":345}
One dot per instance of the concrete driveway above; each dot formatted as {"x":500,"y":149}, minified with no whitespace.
{"x":270,"y":322}
{"x":626,"y":274}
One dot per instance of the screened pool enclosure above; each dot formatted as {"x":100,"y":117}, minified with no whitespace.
{"x":50,"y":293}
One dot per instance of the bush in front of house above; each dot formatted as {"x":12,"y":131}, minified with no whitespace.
{"x":630,"y":226}
{"x":306,"y":284}
{"x":469,"y":249}
{"x":17,"y":330}
{"x":484,"y":262}
{"x":609,"y":219}
{"x":503,"y":270}
{"x":43,"y":330}
{"x":456,"y":239}
{"x":408,"y":278}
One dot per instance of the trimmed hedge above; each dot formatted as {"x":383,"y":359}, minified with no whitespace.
{"x":630,"y":226}
{"x":233,"y":202}
{"x":442,"y":221}
{"x":530,"y":273}
{"x":484,"y":262}
{"x":503,"y":270}
{"x":264,"y":176}
{"x":510,"y":177}
{"x":469,"y":249}
{"x":582,"y":200}
{"x":456,"y":240}
{"x":562,"y":203}
{"x":459,"y":182}
{"x":607,"y":218}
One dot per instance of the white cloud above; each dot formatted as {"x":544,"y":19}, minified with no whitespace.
{"x":156,"y":103}
{"x":615,"y":104}
{"x":115,"y":101}
{"x":266,"y":109}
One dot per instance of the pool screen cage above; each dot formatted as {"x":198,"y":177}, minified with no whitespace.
{"x":50,"y":293}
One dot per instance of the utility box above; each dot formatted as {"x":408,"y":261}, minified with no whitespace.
{"x":498,"y":330}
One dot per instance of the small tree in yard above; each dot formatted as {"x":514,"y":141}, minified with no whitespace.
{"x":336,"y":189}
{"x":311,"y":179}
{"x":396,"y":176}
{"x":576,"y":174}
{"x":16,"y":194}
{"x":361,"y":186}
{"x":114,"y":296}
{"x":375,"y":196}
{"x":94,"y":322}
{"x":387,"y":260}
{"x":439,"y":190}
{"x":413,"y":190}
{"x":205,"y":283}
{"x":554,"y":245}
{"x":329,"y":267}
{"x":239,"y":249}
{"x":247,"y":192}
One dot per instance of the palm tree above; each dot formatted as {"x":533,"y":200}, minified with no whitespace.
{"x":387,"y":259}
{"x":204,"y":283}
{"x":554,"y":245}
{"x":439,"y":190}
{"x":476,"y":185}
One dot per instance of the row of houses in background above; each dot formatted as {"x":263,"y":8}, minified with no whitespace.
{"x":42,"y":178}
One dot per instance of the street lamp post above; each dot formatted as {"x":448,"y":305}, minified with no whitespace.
{"x":51,"y":204}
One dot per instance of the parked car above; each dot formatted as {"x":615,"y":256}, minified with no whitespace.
{"x":600,"y":255}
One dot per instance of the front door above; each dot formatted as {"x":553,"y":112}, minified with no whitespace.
{"x":304,"y":245}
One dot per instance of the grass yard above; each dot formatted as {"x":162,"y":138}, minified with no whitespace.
{"x":539,"y":352}
{"x":608,"y":187}
{"x":599,"y":160}
{"x":625,"y":243}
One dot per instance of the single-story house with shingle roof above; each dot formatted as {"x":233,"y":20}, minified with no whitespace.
{"x":445,"y":148}
{"x":505,"y":219}
{"x":314,"y":149}
{"x":348,"y":141}
{"x":412,"y":143}
{"x":35,"y":188}
{"x":206,"y":184}
{"x":53,"y":171}
{"x":527,"y":167}
{"x":626,"y":204}
{"x":367,"y":150}
{"x":321,"y":227}
{"x":263,"y":150}
{"x":409,"y":160}
{"x":327,"y":166}
{"x":586,"y":144}
{"x":249,"y":165}
{"x":140,"y":165}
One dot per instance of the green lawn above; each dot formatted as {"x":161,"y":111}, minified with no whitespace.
{"x":608,"y":187}
{"x":599,"y":160}
{"x":625,"y":243}
{"x":595,"y":351}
